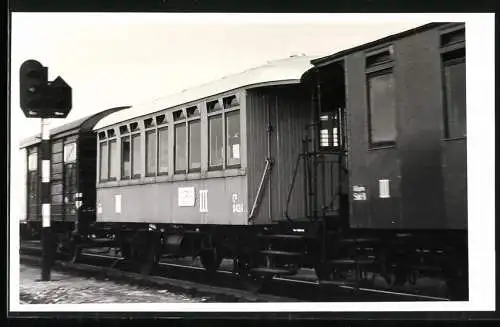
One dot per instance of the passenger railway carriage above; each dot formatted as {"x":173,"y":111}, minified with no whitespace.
{"x":72,"y":171}
{"x":353,"y":164}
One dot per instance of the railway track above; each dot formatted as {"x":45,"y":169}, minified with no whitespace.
{"x":187,"y":277}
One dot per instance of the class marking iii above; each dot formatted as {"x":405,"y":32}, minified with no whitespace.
{"x":203,"y":200}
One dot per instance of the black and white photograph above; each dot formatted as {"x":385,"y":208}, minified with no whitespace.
{"x":224,"y":162}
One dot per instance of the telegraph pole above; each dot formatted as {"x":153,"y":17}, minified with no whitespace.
{"x":42,"y":99}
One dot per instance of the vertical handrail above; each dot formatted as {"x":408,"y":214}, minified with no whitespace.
{"x":258,"y":196}
{"x":292,"y":184}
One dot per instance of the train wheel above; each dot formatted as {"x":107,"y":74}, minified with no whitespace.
{"x":210,"y":259}
{"x":150,"y":259}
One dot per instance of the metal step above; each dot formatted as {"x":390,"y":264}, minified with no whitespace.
{"x":273,"y":271}
{"x":425,"y":268}
{"x":281,"y":253}
{"x":358,"y":240}
{"x":352,"y":261}
{"x":97,"y":244}
{"x":283,"y":236}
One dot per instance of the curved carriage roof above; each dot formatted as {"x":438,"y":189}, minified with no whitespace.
{"x":283,"y":71}
{"x":80,"y":125}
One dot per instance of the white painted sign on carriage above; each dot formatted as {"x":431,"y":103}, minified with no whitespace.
{"x":237,"y":207}
{"x":186,"y":197}
{"x":118,"y":203}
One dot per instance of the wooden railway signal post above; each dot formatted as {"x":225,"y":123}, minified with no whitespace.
{"x":40,"y":98}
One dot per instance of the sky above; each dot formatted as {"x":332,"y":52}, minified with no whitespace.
{"x":115,"y":59}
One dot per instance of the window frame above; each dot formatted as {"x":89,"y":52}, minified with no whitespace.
{"x":222,"y":112}
{"x":74,"y":143}
{"x":447,"y":50}
{"x":134,"y":135}
{"x":380,"y":144}
{"x":190,"y":121}
{"x":102,"y":178}
{"x":149,"y":131}
{"x":164,"y":126}
{"x":180,"y":122}
{"x":379,"y":62}
{"x":167,"y":129}
{"x":122,"y":137}
{"x":212,"y":115}
{"x":228,"y":112}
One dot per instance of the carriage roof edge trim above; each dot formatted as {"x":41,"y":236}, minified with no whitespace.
{"x":282,"y":71}
{"x":82,"y":124}
{"x":323,"y":61}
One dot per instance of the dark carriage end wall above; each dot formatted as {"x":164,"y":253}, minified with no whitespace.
{"x":288,"y":108}
{"x":367,"y":166}
{"x":419,"y":100}
{"x":414,"y":165}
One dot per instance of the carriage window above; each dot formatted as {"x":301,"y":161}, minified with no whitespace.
{"x":233,"y":138}
{"x":160,"y":119}
{"x":148,"y":123}
{"x":150,"y":153}
{"x":70,"y":152}
{"x":215,"y":136}
{"x":113,"y":160}
{"x":179,"y":115}
{"x":454,"y":90}
{"x":382,"y":109}
{"x":32,"y":162}
{"x":194,"y":145}
{"x":163,"y":151}
{"x":193,"y":112}
{"x":180,"y":147}
{"x":230,"y":102}
{"x":136,"y":155}
{"x":213,"y":106}
{"x":126,"y":157}
{"x":103,"y":154}
{"x":70,"y":179}
{"x":329,"y":130}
